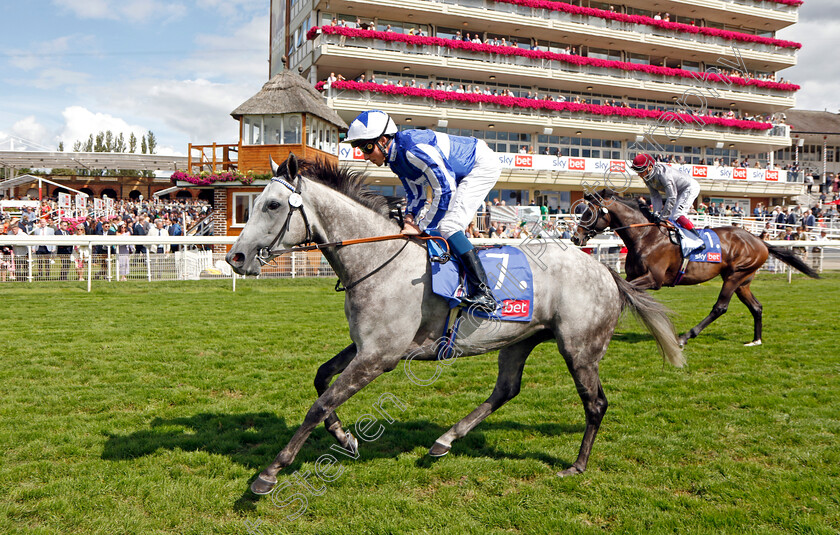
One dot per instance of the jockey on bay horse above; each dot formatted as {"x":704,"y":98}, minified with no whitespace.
{"x":461,"y":171}
{"x":680,"y":193}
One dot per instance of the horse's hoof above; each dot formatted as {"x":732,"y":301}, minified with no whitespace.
{"x":753,"y":343}
{"x":439,"y":450}
{"x":352,"y":443}
{"x":570,"y":471}
{"x":262,"y":485}
{"x":682,"y":340}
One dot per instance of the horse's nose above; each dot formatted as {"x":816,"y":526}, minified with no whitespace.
{"x":235,"y":259}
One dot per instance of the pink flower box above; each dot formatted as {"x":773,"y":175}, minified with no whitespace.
{"x":520,"y":102}
{"x":649,"y":21}
{"x":553,"y":56}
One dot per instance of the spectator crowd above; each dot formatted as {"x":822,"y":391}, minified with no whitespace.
{"x":138,"y":218}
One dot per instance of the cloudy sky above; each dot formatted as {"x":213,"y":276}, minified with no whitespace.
{"x":179,"y":67}
{"x":817,"y":69}
{"x":173,"y":67}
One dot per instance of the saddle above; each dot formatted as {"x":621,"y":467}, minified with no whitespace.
{"x":699,"y":245}
{"x":508,"y":273}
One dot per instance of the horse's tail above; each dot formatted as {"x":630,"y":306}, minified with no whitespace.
{"x":655,"y":318}
{"x":789,"y":257}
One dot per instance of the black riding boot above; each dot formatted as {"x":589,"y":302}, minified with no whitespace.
{"x":481,"y":297}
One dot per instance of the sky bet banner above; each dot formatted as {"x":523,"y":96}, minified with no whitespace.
{"x":600,"y":167}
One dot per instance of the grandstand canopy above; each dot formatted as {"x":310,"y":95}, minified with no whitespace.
{"x":23,"y":180}
{"x":90,"y":160}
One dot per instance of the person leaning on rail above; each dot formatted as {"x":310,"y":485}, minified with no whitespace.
{"x":461,"y":171}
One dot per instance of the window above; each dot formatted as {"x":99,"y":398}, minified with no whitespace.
{"x":693,"y":66}
{"x":251,"y":130}
{"x":601,"y":53}
{"x":513,"y":197}
{"x":243,"y":203}
{"x":273,"y":129}
{"x":291,"y":129}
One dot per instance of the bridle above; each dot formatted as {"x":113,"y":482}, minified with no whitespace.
{"x":267,"y":254}
{"x":591,"y":232}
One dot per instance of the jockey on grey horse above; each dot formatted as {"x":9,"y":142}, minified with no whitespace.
{"x":461,"y":171}
{"x":393,"y":315}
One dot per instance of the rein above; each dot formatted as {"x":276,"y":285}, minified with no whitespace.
{"x":666,"y":224}
{"x":319,"y":246}
{"x":338,"y":287}
{"x":591,"y":232}
{"x":267,"y":254}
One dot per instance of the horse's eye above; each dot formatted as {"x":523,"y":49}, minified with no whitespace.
{"x":273,"y":205}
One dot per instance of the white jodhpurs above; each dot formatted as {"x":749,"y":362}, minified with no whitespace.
{"x":685,"y":200}
{"x":471,"y":192}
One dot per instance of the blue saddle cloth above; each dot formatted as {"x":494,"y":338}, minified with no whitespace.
{"x":710,"y":252}
{"x":508,"y":274}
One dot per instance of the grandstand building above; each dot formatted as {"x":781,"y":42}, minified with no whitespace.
{"x":565,"y":92}
{"x":816,"y":144}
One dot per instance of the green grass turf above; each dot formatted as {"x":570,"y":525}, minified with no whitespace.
{"x":147,"y":408}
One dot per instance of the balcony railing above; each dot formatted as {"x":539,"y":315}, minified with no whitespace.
{"x":781,"y":6}
{"x":447,"y":48}
{"x":212,"y":158}
{"x":531,"y":8}
{"x":670,"y":121}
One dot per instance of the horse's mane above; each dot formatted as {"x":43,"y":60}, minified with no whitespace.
{"x":611,"y":194}
{"x":347,"y":182}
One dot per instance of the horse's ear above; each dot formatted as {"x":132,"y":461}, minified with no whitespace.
{"x":292,"y":166}
{"x":274,"y":166}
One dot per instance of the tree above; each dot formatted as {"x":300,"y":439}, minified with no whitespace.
{"x":152,"y":142}
{"x":60,"y":146}
{"x":99,"y":144}
{"x":107,"y":141}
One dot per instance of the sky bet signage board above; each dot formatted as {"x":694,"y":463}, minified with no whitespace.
{"x":601,"y":167}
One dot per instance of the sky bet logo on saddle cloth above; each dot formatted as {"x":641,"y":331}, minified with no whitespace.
{"x":711,"y":250}
{"x":508,"y":274}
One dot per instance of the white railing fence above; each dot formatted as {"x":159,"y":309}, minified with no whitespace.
{"x":192,"y":258}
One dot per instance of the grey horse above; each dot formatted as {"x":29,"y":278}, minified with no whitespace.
{"x":393,"y":314}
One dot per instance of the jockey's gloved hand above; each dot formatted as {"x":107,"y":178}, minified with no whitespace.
{"x":655,"y":217}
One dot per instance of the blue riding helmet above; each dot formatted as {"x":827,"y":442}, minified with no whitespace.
{"x":370,"y":126}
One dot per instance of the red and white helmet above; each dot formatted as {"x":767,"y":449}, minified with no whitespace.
{"x":641,"y":162}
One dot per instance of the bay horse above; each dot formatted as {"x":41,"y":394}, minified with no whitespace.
{"x":393,"y":314}
{"x":654,"y":260}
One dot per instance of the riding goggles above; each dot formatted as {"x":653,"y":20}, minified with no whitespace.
{"x":365,"y":145}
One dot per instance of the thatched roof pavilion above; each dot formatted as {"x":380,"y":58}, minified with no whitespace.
{"x":288,"y":92}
